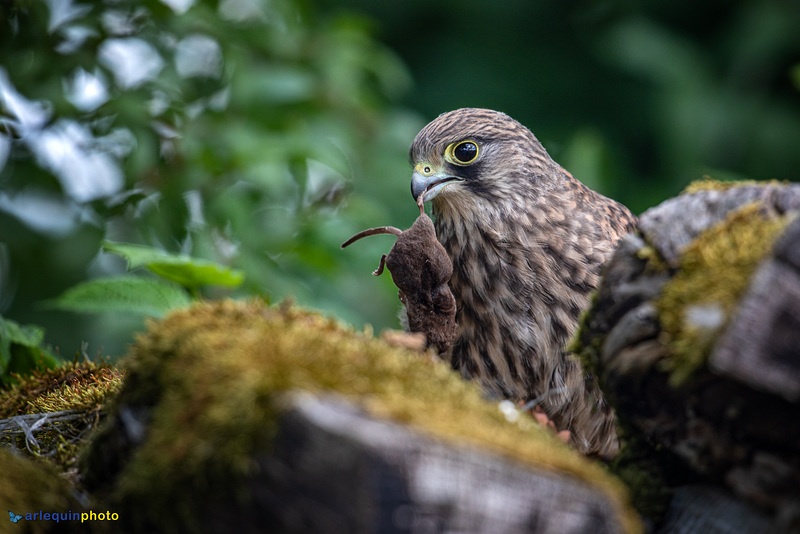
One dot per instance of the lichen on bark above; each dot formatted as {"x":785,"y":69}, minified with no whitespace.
{"x":697,"y":303}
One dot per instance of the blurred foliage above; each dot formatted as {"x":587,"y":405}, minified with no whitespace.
{"x":180,"y":278}
{"x":256,"y":134}
{"x":21,"y":350}
{"x":260,"y":134}
{"x":635,"y":98}
{"x":121,"y":293}
{"x":191,"y":273}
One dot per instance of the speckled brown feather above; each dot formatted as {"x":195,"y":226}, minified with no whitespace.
{"x":527,"y":241}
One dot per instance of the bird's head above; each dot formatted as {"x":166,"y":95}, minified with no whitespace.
{"x":478,"y":157}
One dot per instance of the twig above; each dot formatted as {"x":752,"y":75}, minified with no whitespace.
{"x":38,"y":419}
{"x":31,"y":424}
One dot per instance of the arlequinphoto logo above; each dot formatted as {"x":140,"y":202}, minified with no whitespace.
{"x":64,"y":516}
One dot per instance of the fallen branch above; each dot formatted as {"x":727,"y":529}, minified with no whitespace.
{"x":71,"y":425}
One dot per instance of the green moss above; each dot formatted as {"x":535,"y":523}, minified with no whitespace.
{"x":215,"y":373}
{"x":709,"y":184}
{"x":585,"y":343}
{"x":75,"y":386}
{"x":27,"y":487}
{"x":715,"y":270}
{"x":637,"y":464}
{"x":654,"y":260}
{"x":83,"y":387}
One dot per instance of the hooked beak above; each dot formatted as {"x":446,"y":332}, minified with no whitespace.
{"x":430,"y":183}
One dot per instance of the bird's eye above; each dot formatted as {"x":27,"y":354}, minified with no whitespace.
{"x":464,"y":153}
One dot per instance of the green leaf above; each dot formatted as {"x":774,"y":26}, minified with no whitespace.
{"x":179,"y":268}
{"x":12,"y":333}
{"x":133,"y":294}
{"x":136,"y":255}
{"x":20,"y":349}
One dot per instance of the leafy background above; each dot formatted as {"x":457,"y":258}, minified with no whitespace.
{"x":259,"y":135}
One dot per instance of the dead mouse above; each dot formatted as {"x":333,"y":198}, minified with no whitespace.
{"x":421,"y":269}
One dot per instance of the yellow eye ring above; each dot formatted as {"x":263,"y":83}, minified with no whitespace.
{"x":462,"y":153}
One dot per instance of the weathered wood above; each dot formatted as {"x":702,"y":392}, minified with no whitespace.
{"x":733,"y":423}
{"x":675,"y":222}
{"x":787,"y":248}
{"x":712,"y":510}
{"x":761,"y":347}
{"x":336,"y":469}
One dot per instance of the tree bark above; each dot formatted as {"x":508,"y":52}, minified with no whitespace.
{"x":336,"y":469}
{"x":733,"y":424}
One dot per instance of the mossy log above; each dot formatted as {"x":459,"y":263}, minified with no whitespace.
{"x":334,"y":468}
{"x":236,"y":417}
{"x":27,"y":487}
{"x":695,"y":334}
